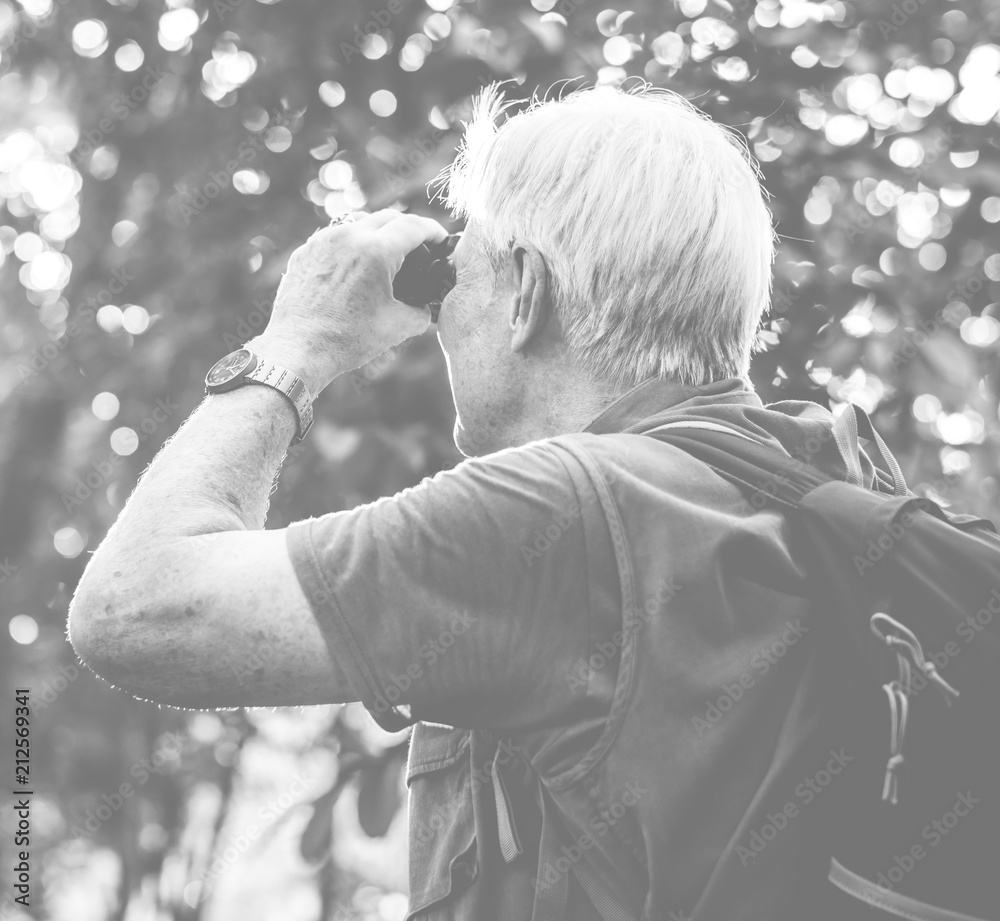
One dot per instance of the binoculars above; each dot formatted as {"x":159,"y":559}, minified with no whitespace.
{"x":427,"y":275}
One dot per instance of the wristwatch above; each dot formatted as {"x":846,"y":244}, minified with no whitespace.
{"x":244,"y":367}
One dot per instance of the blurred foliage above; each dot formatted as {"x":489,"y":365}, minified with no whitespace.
{"x":159,"y":162}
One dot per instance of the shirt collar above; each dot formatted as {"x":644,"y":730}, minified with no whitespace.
{"x":653,"y":397}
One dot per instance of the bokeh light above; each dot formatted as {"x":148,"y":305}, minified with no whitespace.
{"x":129,"y":56}
{"x":23,"y":629}
{"x":176,"y":28}
{"x":332,"y":93}
{"x":383,"y":103}
{"x":90,"y":38}
{"x":69,"y":542}
{"x":124,"y":441}
{"x":105,"y":406}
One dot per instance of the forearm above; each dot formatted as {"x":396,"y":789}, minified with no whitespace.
{"x":146,"y":587}
{"x":214,"y":475}
{"x":187,"y":579}
{"x":152,"y":611}
{"x":334,"y":310}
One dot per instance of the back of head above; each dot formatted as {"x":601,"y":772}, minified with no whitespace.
{"x":650,"y":216}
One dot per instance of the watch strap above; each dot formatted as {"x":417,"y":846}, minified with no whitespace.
{"x":285,"y":382}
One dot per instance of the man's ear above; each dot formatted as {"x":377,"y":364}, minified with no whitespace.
{"x":531,"y":302}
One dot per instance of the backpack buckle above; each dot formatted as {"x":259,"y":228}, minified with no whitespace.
{"x":899,"y":692}
{"x":907,"y":639}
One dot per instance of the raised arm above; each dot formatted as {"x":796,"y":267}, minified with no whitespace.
{"x":188,"y":601}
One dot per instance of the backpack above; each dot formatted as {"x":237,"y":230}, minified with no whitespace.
{"x":909,"y":598}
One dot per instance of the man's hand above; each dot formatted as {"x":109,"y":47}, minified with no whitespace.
{"x":334,"y":310}
{"x":186,"y":590}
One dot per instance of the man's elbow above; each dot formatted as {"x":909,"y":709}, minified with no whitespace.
{"x":102,"y":634}
{"x":117,"y":641}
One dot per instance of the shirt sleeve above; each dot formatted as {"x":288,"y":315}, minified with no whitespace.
{"x":474,"y":599}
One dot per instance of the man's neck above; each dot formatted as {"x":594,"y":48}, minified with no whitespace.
{"x":560,"y":406}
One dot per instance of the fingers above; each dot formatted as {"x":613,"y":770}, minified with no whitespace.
{"x":363,"y":220}
{"x":378,"y":219}
{"x":402,"y":236}
{"x":403,"y":321}
{"x":398,"y":233}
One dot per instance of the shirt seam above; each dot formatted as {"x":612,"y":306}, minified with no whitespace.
{"x":340,"y":624}
{"x":415,"y":769}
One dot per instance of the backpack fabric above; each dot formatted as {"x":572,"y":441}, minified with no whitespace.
{"x":909,"y":595}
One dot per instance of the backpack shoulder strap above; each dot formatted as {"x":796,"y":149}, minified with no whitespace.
{"x":744,"y":461}
{"x":852,"y":423}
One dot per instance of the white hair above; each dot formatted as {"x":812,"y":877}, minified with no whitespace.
{"x":650,"y":216}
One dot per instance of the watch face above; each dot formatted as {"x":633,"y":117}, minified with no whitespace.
{"x":230,"y":369}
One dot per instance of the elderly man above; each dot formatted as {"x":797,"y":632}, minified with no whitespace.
{"x":601,"y":642}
